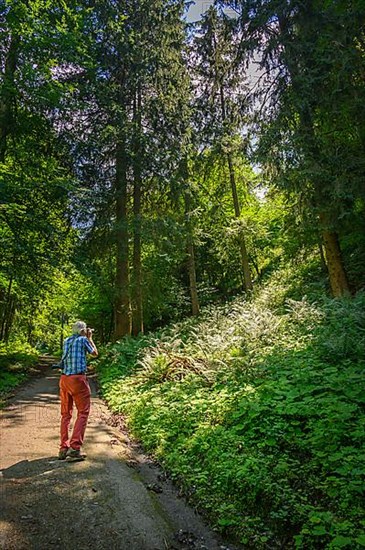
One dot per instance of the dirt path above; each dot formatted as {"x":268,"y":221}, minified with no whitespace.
{"x":116,"y":499}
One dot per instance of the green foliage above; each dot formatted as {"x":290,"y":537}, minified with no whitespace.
{"x":257,"y":410}
{"x":310,"y":123}
{"x":255,"y":407}
{"x":35,"y":231}
{"x":16,"y":363}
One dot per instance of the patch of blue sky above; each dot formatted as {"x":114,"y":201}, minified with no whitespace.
{"x":197,"y":8}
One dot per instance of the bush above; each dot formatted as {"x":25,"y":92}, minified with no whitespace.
{"x":15,"y":365}
{"x":257,"y":409}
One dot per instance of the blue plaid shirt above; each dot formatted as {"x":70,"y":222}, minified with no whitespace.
{"x":74,"y":354}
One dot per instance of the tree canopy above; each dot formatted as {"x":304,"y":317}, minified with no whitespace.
{"x":149,"y":166}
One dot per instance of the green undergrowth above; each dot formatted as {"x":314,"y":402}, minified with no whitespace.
{"x":256,"y":408}
{"x":16,"y":364}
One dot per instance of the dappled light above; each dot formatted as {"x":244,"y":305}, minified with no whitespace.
{"x":182,"y":228}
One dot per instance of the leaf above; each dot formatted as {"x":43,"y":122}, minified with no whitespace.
{"x":319,"y":530}
{"x":225,"y":522}
{"x":341,"y":542}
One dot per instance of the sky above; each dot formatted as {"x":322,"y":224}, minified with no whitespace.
{"x":194,"y":13}
{"x":198,"y":7}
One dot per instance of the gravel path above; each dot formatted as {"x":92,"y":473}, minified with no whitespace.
{"x":117,"y":499}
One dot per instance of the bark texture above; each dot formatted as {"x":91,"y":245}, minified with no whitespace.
{"x":336,"y":271}
{"x":122,"y":301}
{"x":137,"y":298}
{"x":7,"y":95}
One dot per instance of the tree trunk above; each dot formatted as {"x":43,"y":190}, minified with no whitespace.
{"x":336,"y":271}
{"x":237,"y":210}
{"x":7,"y":95}
{"x":137,"y":310}
{"x":242,"y":242}
{"x":195,"y":309}
{"x":10,"y":318}
{"x":122,"y":302}
{"x":64,"y":319}
{"x":7,"y":311}
{"x":256,"y":267}
{"x":219,"y":79}
{"x":137,"y":300}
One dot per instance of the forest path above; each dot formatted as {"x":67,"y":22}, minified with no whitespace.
{"x":116,"y":499}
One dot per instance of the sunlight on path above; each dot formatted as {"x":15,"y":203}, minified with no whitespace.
{"x":104,"y":502}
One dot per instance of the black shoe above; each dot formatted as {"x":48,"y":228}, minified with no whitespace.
{"x":62,"y":454}
{"x":74,"y":455}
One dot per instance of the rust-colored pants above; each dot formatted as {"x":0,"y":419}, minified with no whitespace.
{"x":74,"y":389}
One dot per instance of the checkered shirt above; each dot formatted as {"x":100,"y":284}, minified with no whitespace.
{"x":74,"y":354}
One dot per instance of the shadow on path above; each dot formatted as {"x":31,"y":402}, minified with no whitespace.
{"x":116,"y":499}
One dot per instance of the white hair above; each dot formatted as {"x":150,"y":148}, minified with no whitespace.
{"x":78,"y":327}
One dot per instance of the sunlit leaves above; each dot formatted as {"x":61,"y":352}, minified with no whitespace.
{"x":272,"y":440}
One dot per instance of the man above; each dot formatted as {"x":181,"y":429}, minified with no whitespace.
{"x":74,"y":388}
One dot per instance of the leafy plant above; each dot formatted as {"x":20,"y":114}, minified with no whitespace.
{"x":267,"y":435}
{"x":15,"y":366}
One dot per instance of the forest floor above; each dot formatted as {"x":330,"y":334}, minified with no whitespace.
{"x":118,"y":498}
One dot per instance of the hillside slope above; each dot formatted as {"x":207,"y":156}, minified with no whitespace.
{"x":257,"y":410}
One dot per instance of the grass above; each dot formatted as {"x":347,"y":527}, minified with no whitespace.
{"x":16,"y":363}
{"x":257,"y":410}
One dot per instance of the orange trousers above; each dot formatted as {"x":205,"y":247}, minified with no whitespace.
{"x":74,"y":389}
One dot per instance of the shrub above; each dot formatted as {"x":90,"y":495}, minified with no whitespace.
{"x":15,"y":365}
{"x":257,"y":409}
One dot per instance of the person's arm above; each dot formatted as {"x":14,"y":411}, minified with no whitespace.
{"x":89,"y":336}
